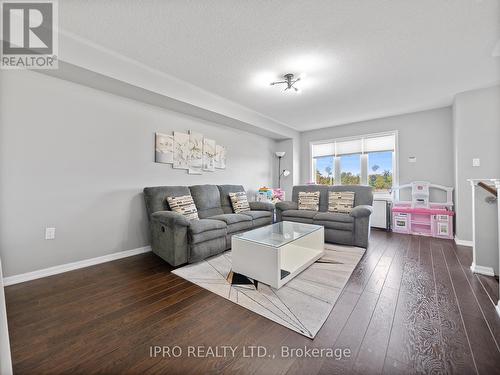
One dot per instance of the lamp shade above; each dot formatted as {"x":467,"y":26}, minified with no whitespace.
{"x":280,"y":154}
{"x":286,"y":173}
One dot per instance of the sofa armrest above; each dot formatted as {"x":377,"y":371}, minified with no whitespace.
{"x":287,"y":205}
{"x":361,"y":211}
{"x":170,"y":218}
{"x":261,"y":206}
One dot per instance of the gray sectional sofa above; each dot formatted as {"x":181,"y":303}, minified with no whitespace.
{"x":178,"y":240}
{"x":347,"y":229}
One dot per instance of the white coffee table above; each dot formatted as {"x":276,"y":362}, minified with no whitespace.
{"x":276,"y":253}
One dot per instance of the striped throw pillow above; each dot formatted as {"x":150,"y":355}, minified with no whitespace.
{"x":183,"y":205}
{"x":340,"y":201}
{"x":239,"y":202}
{"x":309,"y":200}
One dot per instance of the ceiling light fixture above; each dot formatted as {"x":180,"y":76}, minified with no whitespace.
{"x":289,"y":81}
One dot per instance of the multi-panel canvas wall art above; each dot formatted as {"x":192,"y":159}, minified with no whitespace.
{"x":220,"y":157}
{"x":195,"y":152}
{"x":190,"y":151}
{"x":181,"y":150}
{"x":164,"y":148}
{"x":208,"y":155}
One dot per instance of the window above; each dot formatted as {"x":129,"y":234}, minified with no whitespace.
{"x":350,"y":169}
{"x":365,"y":160}
{"x":380,"y":170}
{"x":325,"y":170}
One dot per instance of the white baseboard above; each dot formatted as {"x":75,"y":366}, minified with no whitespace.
{"x":463,"y":242}
{"x":10,"y":280}
{"x":487,"y":271}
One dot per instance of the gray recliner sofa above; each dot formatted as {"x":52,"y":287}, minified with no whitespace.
{"x":346,"y":229}
{"x":178,"y":240}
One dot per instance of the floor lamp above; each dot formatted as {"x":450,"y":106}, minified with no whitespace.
{"x":285,"y":172}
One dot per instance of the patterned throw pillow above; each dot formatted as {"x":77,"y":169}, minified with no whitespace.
{"x":239,"y":202}
{"x":340,"y":201}
{"x":309,"y":200}
{"x":184,"y":205}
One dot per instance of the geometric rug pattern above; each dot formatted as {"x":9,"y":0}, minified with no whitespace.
{"x":302,"y":305}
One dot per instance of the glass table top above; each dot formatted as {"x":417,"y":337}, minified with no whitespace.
{"x":278,"y":234}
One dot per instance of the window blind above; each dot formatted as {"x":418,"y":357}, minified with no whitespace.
{"x":386,"y":142}
{"x":323,"y":149}
{"x":382,"y":143}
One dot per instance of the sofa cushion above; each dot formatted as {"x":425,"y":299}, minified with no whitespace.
{"x":295,"y":219}
{"x":339,"y":225}
{"x":224,"y":191}
{"x":305,"y":214}
{"x":206,"y":236}
{"x":260,"y":222}
{"x":239,"y":202}
{"x":206,"y":230}
{"x":309,"y":200}
{"x":183,"y":205}
{"x":333,"y":216}
{"x":232,"y":218}
{"x":207,"y":200}
{"x":235,"y":222}
{"x":204,"y":225}
{"x":258,"y":214}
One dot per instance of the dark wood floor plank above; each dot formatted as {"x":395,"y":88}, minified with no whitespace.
{"x":371,"y":355}
{"x":416,"y":334}
{"x":400,"y":299}
{"x":484,"y":348}
{"x":353,"y":333}
{"x":457,"y":352}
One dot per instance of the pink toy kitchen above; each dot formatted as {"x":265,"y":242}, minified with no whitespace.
{"x":420,"y":216}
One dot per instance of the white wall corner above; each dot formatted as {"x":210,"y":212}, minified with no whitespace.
{"x":487,"y":271}
{"x":16,"y":279}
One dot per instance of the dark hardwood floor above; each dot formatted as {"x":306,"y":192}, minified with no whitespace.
{"x":411,"y":306}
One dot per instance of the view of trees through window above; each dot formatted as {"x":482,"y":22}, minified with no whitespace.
{"x":357,"y":160}
{"x":325,"y":170}
{"x":350,"y":167}
{"x":380,"y":170}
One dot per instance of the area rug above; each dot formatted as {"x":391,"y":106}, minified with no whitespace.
{"x":302,"y":305}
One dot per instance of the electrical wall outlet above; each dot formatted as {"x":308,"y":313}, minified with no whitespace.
{"x":476,"y":162}
{"x":50,"y":233}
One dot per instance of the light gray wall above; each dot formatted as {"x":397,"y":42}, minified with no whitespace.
{"x":426,"y":135}
{"x":476,"y":133}
{"x":77,"y":159}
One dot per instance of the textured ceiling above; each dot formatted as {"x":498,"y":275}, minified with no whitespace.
{"x":361,"y":59}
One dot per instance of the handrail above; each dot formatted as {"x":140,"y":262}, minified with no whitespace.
{"x":488,"y":188}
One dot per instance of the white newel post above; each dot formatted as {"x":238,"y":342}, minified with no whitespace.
{"x":479,"y":237}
